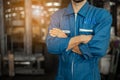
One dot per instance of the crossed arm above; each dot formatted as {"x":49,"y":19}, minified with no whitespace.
{"x":94,"y":47}
{"x":74,"y":41}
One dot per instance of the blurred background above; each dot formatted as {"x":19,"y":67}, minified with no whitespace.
{"x":23,"y":29}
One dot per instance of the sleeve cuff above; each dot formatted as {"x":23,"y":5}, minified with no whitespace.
{"x":64,"y":42}
{"x":85,"y":51}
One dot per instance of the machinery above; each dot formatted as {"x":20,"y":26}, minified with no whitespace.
{"x":23,"y":28}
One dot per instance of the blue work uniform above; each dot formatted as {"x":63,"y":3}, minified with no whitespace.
{"x":90,"y":20}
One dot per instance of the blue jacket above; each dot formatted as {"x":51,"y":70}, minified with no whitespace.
{"x":90,"y":21}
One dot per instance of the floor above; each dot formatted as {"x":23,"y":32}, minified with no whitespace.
{"x":49,"y":76}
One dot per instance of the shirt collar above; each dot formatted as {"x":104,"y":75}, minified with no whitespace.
{"x":83,"y":11}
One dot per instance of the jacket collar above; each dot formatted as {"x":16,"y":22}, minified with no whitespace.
{"x":83,"y":11}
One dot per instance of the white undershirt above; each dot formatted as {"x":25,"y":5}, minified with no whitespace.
{"x":75,"y":22}
{"x":75,"y":17}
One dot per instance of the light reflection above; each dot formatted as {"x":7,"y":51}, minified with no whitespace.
{"x":6,"y":16}
{"x":14,"y":14}
{"x":21,"y":8}
{"x":36,"y":12}
{"x":8,"y":3}
{"x":53,"y":9}
{"x":35,"y":6}
{"x":49,"y":4}
{"x":9,"y":15}
{"x":9,"y":10}
{"x":53,"y":4}
{"x":22,"y":12}
{"x":112,"y":3}
{"x":56,"y":4}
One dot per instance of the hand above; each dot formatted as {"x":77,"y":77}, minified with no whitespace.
{"x":76,"y":50}
{"x":86,"y":38}
{"x":75,"y":41}
{"x":55,"y":32}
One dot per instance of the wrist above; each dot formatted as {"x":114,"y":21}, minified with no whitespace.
{"x":85,"y":38}
{"x":80,"y":39}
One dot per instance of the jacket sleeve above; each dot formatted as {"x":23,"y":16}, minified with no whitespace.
{"x":98,"y":45}
{"x":56,"y":45}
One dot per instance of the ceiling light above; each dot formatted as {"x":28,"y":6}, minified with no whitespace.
{"x":49,"y":4}
{"x":56,"y":4}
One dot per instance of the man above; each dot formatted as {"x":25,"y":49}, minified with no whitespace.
{"x":80,"y":35}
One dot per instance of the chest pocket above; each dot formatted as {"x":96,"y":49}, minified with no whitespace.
{"x":87,"y":27}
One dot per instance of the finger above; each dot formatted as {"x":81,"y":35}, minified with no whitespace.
{"x":50,"y":31}
{"x":53,"y":31}
{"x":74,"y":51}
{"x":56,"y":29}
{"x":52,"y":35}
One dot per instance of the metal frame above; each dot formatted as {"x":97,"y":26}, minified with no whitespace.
{"x":114,"y":14}
{"x":2,"y":36}
{"x":118,"y":19}
{"x":28,"y":27}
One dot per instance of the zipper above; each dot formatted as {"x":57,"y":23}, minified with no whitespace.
{"x":72,"y":68}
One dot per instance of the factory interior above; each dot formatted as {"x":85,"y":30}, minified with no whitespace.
{"x":23,"y":30}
